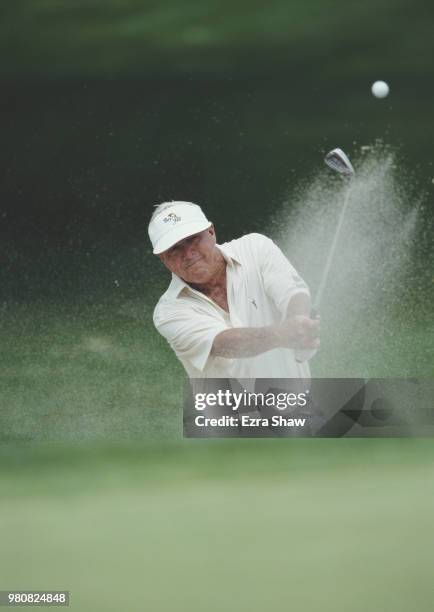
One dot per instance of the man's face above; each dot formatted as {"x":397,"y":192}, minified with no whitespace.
{"x":194,"y":258}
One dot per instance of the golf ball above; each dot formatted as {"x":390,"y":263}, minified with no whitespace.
{"x":380,"y":89}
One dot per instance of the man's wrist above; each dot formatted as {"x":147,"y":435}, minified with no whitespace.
{"x":276,"y":335}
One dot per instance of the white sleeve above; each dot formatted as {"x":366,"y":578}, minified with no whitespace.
{"x":280,"y":278}
{"x":189,"y":333}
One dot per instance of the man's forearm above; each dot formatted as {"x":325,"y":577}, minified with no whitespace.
{"x":245,"y":342}
{"x":296,"y":332}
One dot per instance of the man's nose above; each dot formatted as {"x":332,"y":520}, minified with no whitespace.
{"x":188,"y":251}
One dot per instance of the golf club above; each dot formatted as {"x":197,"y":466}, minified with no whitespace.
{"x":338,"y":161}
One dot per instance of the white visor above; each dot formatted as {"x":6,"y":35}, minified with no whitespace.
{"x":174,"y":223}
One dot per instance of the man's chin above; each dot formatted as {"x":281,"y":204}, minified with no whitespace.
{"x":197,"y":276}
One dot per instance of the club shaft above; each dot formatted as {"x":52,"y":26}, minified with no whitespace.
{"x":325,"y":274}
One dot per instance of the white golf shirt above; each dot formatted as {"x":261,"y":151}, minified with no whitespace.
{"x":260,"y":284}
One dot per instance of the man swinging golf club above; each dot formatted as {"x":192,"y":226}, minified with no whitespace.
{"x":235,"y":310}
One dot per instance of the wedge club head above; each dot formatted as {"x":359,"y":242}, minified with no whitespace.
{"x":338,"y":161}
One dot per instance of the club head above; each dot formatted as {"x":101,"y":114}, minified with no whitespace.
{"x":337,"y":160}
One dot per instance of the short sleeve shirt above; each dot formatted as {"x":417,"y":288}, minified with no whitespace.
{"x":260,"y":284}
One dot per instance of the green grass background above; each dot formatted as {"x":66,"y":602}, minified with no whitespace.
{"x":307,"y":525}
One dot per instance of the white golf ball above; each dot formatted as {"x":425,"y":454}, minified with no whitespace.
{"x":380,"y":89}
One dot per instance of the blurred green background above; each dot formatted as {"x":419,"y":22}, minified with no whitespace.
{"x":108,"y":108}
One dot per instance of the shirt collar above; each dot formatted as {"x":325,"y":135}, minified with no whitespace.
{"x":228,"y":253}
{"x":178,"y":285}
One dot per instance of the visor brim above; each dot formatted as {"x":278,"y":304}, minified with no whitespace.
{"x":176,"y":234}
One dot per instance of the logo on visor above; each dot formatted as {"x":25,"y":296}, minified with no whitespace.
{"x":171,"y":218}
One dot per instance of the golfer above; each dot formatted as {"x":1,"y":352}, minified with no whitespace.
{"x":232,"y":310}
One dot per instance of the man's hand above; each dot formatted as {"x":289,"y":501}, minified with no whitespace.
{"x":298,"y":332}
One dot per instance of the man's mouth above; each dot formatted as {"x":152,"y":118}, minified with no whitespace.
{"x":192,"y":263}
